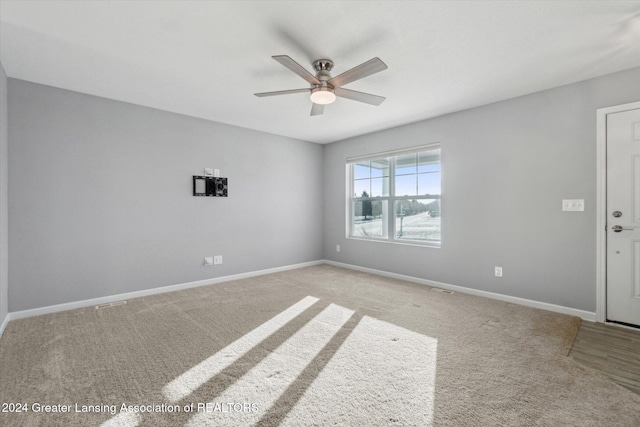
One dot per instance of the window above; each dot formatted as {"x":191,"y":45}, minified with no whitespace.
{"x":396,"y":196}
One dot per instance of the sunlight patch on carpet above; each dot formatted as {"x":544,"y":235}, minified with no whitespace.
{"x":264,"y":384}
{"x":381,"y":375}
{"x":188,"y":382}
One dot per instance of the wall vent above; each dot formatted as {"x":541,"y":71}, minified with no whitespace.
{"x":110,"y":304}
{"x":443,"y":291}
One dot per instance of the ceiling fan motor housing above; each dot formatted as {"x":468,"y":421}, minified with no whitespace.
{"x":322,"y":67}
{"x":322,"y":93}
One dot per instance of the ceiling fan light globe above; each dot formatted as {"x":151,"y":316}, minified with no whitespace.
{"x":322,"y":96}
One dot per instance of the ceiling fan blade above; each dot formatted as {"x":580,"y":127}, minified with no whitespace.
{"x":372,"y":66}
{"x":297,"y":68}
{"x":281,"y":92}
{"x":317,"y":109}
{"x":354,"y":95}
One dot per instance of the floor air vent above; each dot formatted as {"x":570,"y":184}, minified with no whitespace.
{"x":110,"y":304}
{"x":443,"y":291}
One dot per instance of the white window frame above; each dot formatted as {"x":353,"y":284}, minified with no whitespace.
{"x":391,"y":198}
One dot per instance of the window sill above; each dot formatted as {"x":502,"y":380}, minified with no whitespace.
{"x":433,"y":245}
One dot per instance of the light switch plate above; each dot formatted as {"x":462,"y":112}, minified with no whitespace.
{"x":208,"y":172}
{"x":573,"y":205}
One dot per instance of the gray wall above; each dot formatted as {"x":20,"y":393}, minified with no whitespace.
{"x":100,"y":196}
{"x":4,"y":175}
{"x":506,"y":168}
{"x":101,"y":204}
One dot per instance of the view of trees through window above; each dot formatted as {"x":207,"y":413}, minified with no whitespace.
{"x":407,"y":182}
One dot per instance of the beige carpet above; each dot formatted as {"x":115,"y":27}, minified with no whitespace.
{"x":314,"y":346}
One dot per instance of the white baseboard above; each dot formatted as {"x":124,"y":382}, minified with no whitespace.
{"x":5,"y":321}
{"x":137,"y":294}
{"x":586,"y":315}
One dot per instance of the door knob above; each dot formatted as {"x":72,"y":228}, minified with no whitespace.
{"x":619,"y":228}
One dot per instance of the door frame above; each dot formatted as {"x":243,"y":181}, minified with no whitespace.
{"x":601,"y":205}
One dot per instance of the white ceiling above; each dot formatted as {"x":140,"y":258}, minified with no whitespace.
{"x":206,"y":59}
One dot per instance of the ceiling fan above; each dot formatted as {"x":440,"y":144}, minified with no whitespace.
{"x":324,"y":88}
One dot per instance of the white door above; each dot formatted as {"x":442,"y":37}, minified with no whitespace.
{"x":623,"y":217}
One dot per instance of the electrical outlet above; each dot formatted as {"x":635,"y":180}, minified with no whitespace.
{"x":208,"y":260}
{"x":217,"y":259}
{"x":498,"y":271}
{"x":573,"y":205}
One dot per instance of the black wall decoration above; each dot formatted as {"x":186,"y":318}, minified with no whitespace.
{"x":209,"y":186}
